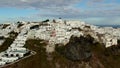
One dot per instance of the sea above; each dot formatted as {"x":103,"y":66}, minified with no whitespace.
{"x":114,"y":26}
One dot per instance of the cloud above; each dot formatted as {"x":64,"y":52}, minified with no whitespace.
{"x":53,"y":6}
{"x":94,"y":10}
{"x":65,"y":8}
{"x":38,"y":4}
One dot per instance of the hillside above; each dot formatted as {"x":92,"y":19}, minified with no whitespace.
{"x":78,"y":53}
{"x":59,"y":44}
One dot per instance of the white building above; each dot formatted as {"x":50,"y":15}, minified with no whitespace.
{"x":17,"y":49}
{"x":9,"y":59}
{"x":110,"y":41}
{"x":2,"y":63}
{"x":31,"y":34}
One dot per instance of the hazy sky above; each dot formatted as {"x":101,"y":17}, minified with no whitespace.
{"x":91,"y":11}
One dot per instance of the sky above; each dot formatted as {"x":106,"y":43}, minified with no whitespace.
{"x":104,"y":12}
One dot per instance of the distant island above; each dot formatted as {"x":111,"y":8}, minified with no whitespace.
{"x":114,"y":26}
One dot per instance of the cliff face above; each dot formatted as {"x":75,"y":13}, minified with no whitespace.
{"x":80,"y":49}
{"x":85,"y":49}
{"x":77,"y":49}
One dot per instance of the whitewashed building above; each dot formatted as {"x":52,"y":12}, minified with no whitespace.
{"x":9,"y":59}
{"x":2,"y":63}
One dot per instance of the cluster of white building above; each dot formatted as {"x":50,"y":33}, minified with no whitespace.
{"x":110,"y":35}
{"x":16,"y":50}
{"x":58,"y":32}
{"x":61,"y":31}
{"x":4,"y":32}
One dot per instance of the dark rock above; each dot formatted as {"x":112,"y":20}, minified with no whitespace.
{"x":34,"y":27}
{"x":78,"y":49}
{"x":47,"y":20}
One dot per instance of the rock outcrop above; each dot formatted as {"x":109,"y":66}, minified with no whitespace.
{"x":78,"y":48}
